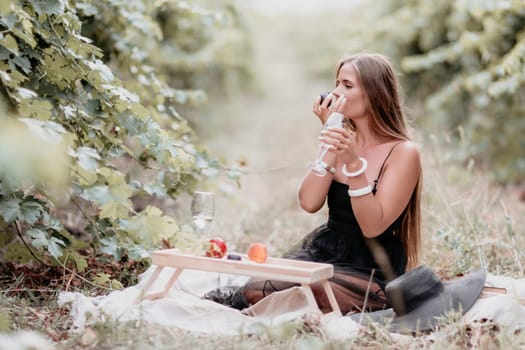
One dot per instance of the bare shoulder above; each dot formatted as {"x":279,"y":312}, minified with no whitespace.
{"x":407,"y":147}
{"x":407,"y":151}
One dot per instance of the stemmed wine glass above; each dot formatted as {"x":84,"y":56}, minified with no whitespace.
{"x":202,"y":209}
{"x":335,"y":120}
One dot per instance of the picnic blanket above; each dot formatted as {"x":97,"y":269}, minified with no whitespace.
{"x":183,"y":307}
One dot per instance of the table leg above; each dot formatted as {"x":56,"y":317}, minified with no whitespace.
{"x":149,"y":283}
{"x":310,"y":296}
{"x":144,"y":294}
{"x":331,"y":298}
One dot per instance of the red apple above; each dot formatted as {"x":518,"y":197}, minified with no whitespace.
{"x":217,"y":248}
{"x":257,"y":252}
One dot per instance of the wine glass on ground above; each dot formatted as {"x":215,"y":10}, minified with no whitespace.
{"x":318,"y":166}
{"x":202,"y":209}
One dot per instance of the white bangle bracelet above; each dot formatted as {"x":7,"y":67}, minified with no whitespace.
{"x":360,"y":192}
{"x":358,"y":172}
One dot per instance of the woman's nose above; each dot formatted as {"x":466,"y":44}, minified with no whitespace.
{"x":336,"y":92}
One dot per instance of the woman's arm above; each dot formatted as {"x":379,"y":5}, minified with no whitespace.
{"x":396,"y":185}
{"x":313,"y":190}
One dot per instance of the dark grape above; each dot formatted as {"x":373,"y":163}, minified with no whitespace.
{"x":233,"y":257}
{"x":323,"y":96}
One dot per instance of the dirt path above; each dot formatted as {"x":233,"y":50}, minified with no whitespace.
{"x":274,"y":132}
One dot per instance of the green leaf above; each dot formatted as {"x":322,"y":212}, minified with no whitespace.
{"x":54,"y":247}
{"x":113,"y":210}
{"x":113,"y":197}
{"x":150,"y":227}
{"x":52,"y":222}
{"x":17,"y":251}
{"x":85,"y":178}
{"x":24,"y":93}
{"x":102,"y":279}
{"x":60,"y":69}
{"x":111,"y":246}
{"x":137,"y":252}
{"x":115,"y":284}
{"x":80,"y":262}
{"x":30,"y":212}
{"x":11,"y":76}
{"x":10,"y":209}
{"x":9,"y":43}
{"x":55,"y":7}
{"x":47,"y":131}
{"x":88,"y":158}
{"x":39,"y":238}
{"x":100,"y":75}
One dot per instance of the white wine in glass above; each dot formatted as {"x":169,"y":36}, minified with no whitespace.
{"x":202,"y":209}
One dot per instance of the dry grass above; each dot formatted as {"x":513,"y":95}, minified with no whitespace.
{"x":468,"y":221}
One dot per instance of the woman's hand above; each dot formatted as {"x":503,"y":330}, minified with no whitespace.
{"x":322,"y":110}
{"x":341,"y":142}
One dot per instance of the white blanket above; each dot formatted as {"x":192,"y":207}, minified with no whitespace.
{"x":183,"y":307}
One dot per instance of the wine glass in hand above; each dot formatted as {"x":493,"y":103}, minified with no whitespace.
{"x":319,"y":166}
{"x":202,"y":209}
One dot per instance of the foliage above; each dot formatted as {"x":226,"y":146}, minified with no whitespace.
{"x":84,"y":76}
{"x":192,"y":56}
{"x":464,"y":60}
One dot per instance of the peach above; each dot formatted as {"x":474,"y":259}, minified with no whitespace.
{"x":257,"y":252}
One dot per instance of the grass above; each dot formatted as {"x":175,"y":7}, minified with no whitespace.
{"x":467,"y":222}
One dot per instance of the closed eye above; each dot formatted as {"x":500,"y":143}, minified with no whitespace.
{"x":347,"y":84}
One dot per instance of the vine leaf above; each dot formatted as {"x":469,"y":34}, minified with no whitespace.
{"x":10,"y":209}
{"x":105,"y":279}
{"x":9,"y":43}
{"x":87,"y":158}
{"x":80,"y":262}
{"x":30,"y":212}
{"x":150,"y":226}
{"x":111,"y":246}
{"x":39,"y":238}
{"x":47,"y":131}
{"x":55,"y":7}
{"x":17,"y":251}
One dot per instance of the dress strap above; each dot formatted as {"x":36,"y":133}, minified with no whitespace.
{"x":376,"y":181}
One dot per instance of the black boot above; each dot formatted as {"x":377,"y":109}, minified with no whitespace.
{"x":229,"y":296}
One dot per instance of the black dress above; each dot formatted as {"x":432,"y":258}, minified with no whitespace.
{"x":340,"y":241}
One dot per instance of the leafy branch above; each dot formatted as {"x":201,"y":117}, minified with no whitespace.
{"x":84,"y":79}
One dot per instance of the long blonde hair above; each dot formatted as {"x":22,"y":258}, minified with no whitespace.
{"x":383,"y":101}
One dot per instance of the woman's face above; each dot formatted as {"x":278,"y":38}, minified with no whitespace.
{"x":348,"y":84}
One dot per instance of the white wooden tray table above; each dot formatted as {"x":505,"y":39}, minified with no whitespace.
{"x":302,"y":272}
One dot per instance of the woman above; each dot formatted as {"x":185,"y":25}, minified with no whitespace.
{"x":373,"y":191}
